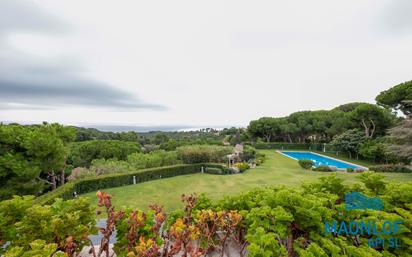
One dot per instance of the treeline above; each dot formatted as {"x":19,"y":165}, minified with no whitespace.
{"x":38,"y":158}
{"x":371,"y":131}
{"x":321,"y":126}
{"x":207,"y":135}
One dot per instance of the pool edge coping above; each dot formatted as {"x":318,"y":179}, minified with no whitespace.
{"x":354,"y":164}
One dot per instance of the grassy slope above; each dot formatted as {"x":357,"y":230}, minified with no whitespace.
{"x":277,"y":169}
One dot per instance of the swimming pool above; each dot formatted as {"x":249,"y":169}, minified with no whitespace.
{"x":320,"y":159}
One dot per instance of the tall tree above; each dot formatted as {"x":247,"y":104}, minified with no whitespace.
{"x":398,"y":97}
{"x":289,"y":129}
{"x":303,"y":123}
{"x":372,"y":119}
{"x":349,"y":141}
{"x":160,"y":138}
{"x":401,"y":140}
{"x":67,"y":135}
{"x":265,"y":127}
{"x":28,"y":155}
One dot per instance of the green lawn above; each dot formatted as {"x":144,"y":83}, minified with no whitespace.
{"x":277,"y":170}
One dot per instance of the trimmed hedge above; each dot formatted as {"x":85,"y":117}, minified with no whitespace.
{"x":224,"y":170}
{"x":391,"y":168}
{"x":117,"y":180}
{"x":65,"y":192}
{"x":215,"y":171}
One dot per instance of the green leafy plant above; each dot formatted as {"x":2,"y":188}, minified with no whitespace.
{"x":324,"y":168}
{"x":271,"y":221}
{"x":306,"y":164}
{"x":242,"y":166}
{"x":38,"y":248}
{"x":64,"y":224}
{"x":203,"y":153}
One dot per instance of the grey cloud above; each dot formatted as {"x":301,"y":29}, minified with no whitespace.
{"x":29,"y":83}
{"x":397,"y":16}
{"x":19,"y":15}
{"x":69,"y":92}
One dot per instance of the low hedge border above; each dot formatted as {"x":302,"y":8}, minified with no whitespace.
{"x":116,"y":180}
{"x":401,"y":168}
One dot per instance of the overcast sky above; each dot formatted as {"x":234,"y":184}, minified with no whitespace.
{"x":196,"y":63}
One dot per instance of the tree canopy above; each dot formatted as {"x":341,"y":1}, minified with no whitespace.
{"x":372,"y":119}
{"x":401,"y":140}
{"x":83,"y":153}
{"x":29,"y":155}
{"x":349,"y":141}
{"x":398,"y":97}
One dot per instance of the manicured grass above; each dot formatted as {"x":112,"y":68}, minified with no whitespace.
{"x":277,"y":170}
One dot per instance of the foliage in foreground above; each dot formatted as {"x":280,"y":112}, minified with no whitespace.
{"x":274,"y":221}
{"x":30,"y":227}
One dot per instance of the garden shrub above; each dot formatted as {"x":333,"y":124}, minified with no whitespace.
{"x":360,"y":169}
{"x":350,"y":170}
{"x":83,"y":153}
{"x":333,"y":168}
{"x":37,"y":248}
{"x":203,"y":153}
{"x":373,"y":181}
{"x":248,"y":154}
{"x":109,"y":166}
{"x":277,"y":214}
{"x":242,"y":166}
{"x":153,"y":159}
{"x":306,"y":164}
{"x":259,"y":160}
{"x":80,"y":173}
{"x":23,"y":221}
{"x":211,"y":170}
{"x":391,"y":168}
{"x":322,"y":168}
{"x":224,"y":169}
{"x":135,"y":161}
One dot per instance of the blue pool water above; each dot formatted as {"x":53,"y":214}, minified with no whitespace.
{"x":319,"y":160}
